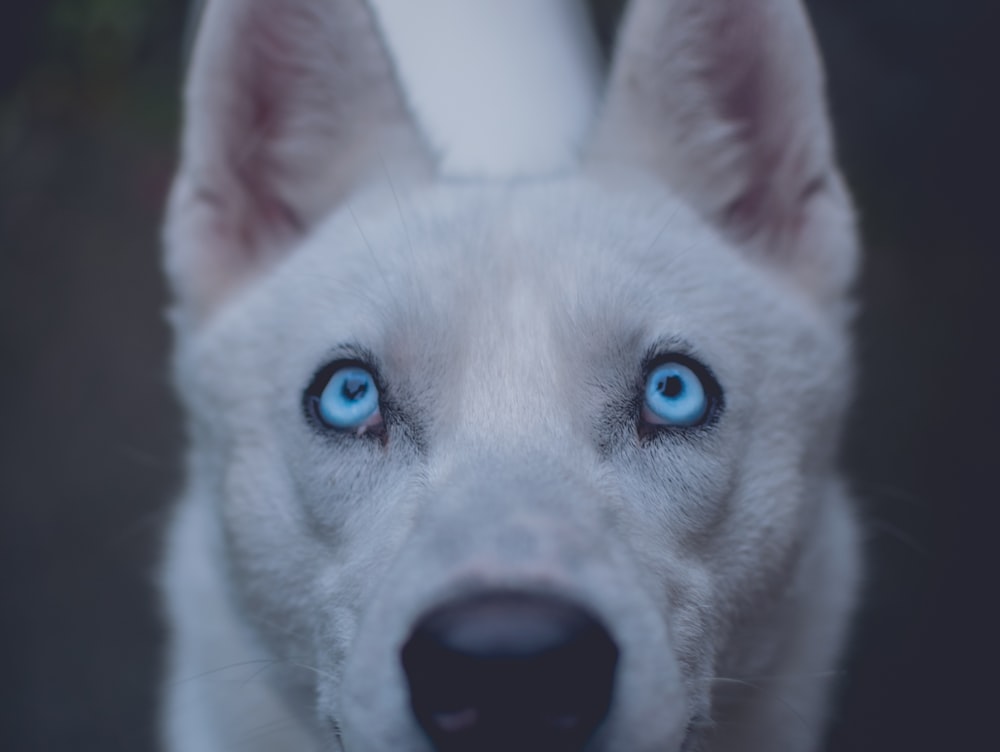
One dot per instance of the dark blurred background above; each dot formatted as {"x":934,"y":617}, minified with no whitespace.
{"x":89,"y":431}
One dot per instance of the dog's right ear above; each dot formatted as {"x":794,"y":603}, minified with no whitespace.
{"x":289,"y":105}
{"x":723,"y":99}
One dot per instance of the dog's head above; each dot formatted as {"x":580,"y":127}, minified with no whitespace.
{"x":507,"y":459}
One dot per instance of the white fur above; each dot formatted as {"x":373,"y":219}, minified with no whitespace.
{"x":510,"y":319}
{"x":489,"y":113}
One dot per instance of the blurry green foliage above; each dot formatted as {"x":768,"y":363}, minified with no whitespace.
{"x":103,"y":36}
{"x":85,"y":60}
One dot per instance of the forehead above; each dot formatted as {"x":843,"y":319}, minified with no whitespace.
{"x":500,"y":252}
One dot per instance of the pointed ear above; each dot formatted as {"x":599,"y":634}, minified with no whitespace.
{"x":289,"y":105}
{"x":723,"y":99}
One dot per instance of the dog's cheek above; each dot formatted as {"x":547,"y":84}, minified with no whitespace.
{"x":715,"y":547}
{"x":670,"y":568}
{"x":270,"y":555}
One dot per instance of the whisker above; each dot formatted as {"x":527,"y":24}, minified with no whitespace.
{"x":267,"y":662}
{"x":399,"y":208}
{"x":669,"y":221}
{"x":896,"y":533}
{"x":317,"y":671}
{"x":758,"y":688}
{"x":260,"y":671}
{"x":266,"y":729}
{"x":879,"y":491}
{"x":829,"y":674}
{"x":261,"y":664}
{"x":371,"y":250}
{"x":412,"y":267}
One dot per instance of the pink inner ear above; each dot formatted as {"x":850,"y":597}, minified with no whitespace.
{"x":289,"y":105}
{"x":269,"y":79}
{"x":757,"y":96}
{"x":723,"y":101}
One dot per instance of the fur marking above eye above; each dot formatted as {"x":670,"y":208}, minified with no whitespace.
{"x":676,"y":395}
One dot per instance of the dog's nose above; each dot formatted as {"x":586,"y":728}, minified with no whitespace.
{"x":508,"y":670}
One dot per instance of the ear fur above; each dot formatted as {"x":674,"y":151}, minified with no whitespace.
{"x":289,"y":104}
{"x":723,"y":99}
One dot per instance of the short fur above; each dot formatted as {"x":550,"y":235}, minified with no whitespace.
{"x":509,"y":320}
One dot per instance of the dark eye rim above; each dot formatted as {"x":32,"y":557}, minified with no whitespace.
{"x":709,"y":382}
{"x":312,"y":394}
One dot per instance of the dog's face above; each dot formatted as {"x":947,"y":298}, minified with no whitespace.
{"x":597,"y":397}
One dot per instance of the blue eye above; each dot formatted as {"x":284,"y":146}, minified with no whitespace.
{"x":348,"y":400}
{"x":676,"y":396}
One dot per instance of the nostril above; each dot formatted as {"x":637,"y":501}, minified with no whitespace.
{"x":509,"y":670}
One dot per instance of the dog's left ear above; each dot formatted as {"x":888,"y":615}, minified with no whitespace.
{"x":289,"y":105}
{"x":723,"y":99}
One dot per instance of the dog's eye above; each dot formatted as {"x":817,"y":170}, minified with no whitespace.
{"x":678,"y":394}
{"x":344,"y":396}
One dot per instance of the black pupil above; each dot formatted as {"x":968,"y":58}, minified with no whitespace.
{"x":672,"y":386}
{"x":354,"y":388}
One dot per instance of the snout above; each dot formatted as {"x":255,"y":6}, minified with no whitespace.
{"x":503,"y":670}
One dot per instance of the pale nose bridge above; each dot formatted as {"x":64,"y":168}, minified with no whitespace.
{"x":512,"y":516}
{"x":512,"y":383}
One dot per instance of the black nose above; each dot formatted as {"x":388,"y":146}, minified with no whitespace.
{"x":511,"y":671}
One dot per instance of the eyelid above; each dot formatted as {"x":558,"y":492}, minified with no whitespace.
{"x":671,"y":351}
{"x":350,"y":353}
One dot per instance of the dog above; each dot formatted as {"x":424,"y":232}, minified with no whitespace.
{"x":514,"y":386}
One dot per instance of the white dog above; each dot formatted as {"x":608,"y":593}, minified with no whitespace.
{"x":513,"y":403}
